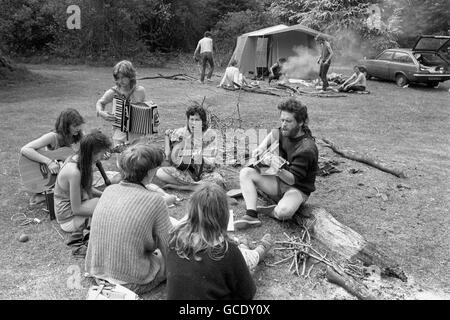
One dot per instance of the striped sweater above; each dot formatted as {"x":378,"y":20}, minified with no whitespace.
{"x":128,"y":225}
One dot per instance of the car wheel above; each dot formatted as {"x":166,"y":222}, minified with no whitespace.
{"x":401,"y":80}
{"x":433,"y":84}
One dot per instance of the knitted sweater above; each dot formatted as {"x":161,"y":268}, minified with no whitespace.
{"x":303,"y":156}
{"x":128,"y":224}
{"x":224,"y":279}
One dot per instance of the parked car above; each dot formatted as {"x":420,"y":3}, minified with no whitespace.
{"x":427,"y":62}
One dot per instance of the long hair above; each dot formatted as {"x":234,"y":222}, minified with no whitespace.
{"x":90,"y":145}
{"x":197,"y":109}
{"x":125,"y":68}
{"x":300,"y":112}
{"x":65,"y":119}
{"x":138,"y":159}
{"x":205,"y":228}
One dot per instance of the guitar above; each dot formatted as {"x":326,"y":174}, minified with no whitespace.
{"x":37,"y":178}
{"x":265,"y":165}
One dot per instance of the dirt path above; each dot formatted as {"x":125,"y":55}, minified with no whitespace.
{"x":408,"y":128}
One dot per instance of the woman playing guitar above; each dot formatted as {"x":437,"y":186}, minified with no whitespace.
{"x":67,"y":133}
{"x":185,"y":150}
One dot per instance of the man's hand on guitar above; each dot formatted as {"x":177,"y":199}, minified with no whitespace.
{"x":276,"y":162}
{"x":53,"y":166}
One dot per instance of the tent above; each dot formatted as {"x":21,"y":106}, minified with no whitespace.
{"x":259,"y":49}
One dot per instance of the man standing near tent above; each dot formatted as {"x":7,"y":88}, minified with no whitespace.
{"x":325,"y":60}
{"x":205,"y":48}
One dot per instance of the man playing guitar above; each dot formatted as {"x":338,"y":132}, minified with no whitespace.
{"x":295,"y":168}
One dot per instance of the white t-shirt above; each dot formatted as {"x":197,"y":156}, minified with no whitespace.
{"x":231,"y":74}
{"x":205,"y":44}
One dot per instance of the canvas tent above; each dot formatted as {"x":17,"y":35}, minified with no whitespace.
{"x":262,"y":48}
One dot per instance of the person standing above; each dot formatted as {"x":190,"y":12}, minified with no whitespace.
{"x":126,"y":88}
{"x":326,"y":53}
{"x":205,"y":49}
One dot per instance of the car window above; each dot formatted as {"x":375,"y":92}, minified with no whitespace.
{"x":403,"y":58}
{"x":445,"y":52}
{"x":386,"y":55}
{"x":429,"y":59}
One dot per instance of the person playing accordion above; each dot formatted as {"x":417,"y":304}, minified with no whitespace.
{"x":125,"y":89}
{"x":292,"y":157}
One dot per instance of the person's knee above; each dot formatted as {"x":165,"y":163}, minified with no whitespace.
{"x":283,"y":212}
{"x":247,"y":173}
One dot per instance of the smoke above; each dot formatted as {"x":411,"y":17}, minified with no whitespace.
{"x":348,"y":47}
{"x":303,"y":65}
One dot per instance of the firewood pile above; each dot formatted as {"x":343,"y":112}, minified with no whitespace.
{"x":303,"y":256}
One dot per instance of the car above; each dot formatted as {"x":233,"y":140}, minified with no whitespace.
{"x":428,"y":62}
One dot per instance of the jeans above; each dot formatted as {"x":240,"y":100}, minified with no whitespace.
{"x":323,"y":74}
{"x":207,"y":57}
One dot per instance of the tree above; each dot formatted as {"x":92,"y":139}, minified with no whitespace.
{"x":345,"y":20}
{"x":419,"y":17}
{"x":234,"y":24}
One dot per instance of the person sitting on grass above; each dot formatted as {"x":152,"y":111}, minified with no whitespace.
{"x":74,"y":197}
{"x":294,"y":181}
{"x":191,"y":151}
{"x":232,"y":75}
{"x":203,"y":263}
{"x":130,"y":226}
{"x":275,"y":70}
{"x":67,"y":133}
{"x":357,"y":82}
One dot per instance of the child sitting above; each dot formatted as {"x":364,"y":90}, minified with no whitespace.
{"x":203,"y":262}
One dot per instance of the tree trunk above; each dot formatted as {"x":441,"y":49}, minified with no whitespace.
{"x":5,"y":62}
{"x":353,"y":286}
{"x":347,"y":242}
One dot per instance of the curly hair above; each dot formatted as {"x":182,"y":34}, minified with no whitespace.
{"x":197,"y":109}
{"x":299,"y":110}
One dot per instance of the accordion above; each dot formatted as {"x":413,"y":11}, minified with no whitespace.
{"x":135,"y":117}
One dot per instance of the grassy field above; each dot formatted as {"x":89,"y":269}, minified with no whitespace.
{"x":408,"y":128}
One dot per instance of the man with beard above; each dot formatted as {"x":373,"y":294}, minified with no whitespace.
{"x":295,"y":167}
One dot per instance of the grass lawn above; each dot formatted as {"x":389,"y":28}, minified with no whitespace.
{"x":407,"y":128}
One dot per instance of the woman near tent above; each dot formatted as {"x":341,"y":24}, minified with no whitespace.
{"x":191,"y":150}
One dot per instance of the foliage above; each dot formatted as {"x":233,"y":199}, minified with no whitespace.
{"x":422,"y":17}
{"x":345,"y":20}
{"x":233,"y":25}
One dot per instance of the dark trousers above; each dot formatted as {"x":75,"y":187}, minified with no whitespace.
{"x":353,"y":88}
{"x":323,"y":74}
{"x":207,"y":57}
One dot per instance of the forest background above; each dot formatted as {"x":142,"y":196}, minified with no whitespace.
{"x":152,"y":32}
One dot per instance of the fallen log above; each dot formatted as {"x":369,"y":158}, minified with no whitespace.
{"x":172,"y":77}
{"x":363,"y":159}
{"x":254,"y":90}
{"x":350,"y":284}
{"x":316,"y":94}
{"x":346,"y":242}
